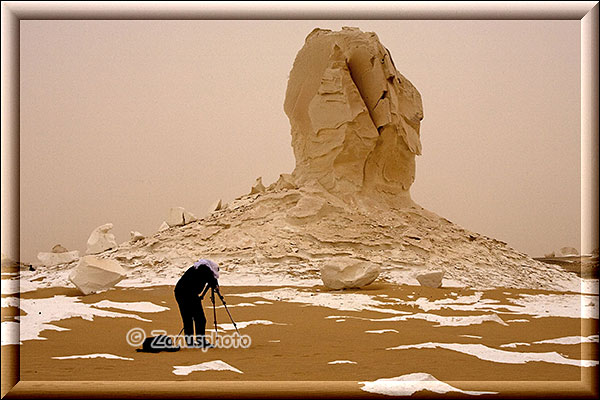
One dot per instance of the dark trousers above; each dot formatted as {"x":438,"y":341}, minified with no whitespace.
{"x":192,"y":314}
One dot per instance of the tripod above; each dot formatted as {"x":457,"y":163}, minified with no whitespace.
{"x":212,"y":298}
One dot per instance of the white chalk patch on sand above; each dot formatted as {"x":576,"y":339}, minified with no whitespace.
{"x":441,"y":320}
{"x":237,"y":305}
{"x":570,"y":340}
{"x":383,"y":331}
{"x":100,"y":355}
{"x":217,"y":365}
{"x":341,"y":362}
{"x":537,"y":305}
{"x":139,"y":306}
{"x":340,"y":320}
{"x":518,"y":320}
{"x":561,"y":340}
{"x":10,"y":333}
{"x":471,"y":336}
{"x":41,"y":312}
{"x":263,"y":302}
{"x":10,"y":273}
{"x":406,"y":385}
{"x":514,"y":345}
{"x":500,"y":356}
{"x":338,"y":301}
{"x":274,"y":341}
{"x":244,"y":324}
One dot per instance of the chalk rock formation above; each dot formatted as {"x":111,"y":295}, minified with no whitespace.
{"x":101,"y":240}
{"x":355,"y":119}
{"x":355,"y":126}
{"x":432,"y":279}
{"x":163,"y":227}
{"x":285,"y":182}
{"x":135,"y":236}
{"x":347,"y":272}
{"x":216,"y":206}
{"x":57,"y":258}
{"x":93,"y":274}
{"x":258,"y":186}
{"x":179,"y":216}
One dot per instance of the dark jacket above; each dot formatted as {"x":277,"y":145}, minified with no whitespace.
{"x":194,"y":280}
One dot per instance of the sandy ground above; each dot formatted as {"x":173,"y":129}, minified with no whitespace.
{"x":309,"y":334}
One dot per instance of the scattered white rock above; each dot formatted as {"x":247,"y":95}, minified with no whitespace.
{"x":101,"y":240}
{"x":135,"y":236}
{"x":258,"y":186}
{"x":164,"y":226}
{"x":53,"y":259}
{"x":347,"y":272}
{"x":179,"y":216}
{"x":93,"y":274}
{"x":216,"y":206}
{"x":432,"y":279}
{"x":188,"y":217}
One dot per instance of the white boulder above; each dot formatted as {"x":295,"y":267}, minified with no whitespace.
{"x":94,"y":274}
{"x":348,"y":272}
{"x":52,"y":259}
{"x":179,"y":216}
{"x":432,"y":279}
{"x":135,"y":236}
{"x":101,"y":240}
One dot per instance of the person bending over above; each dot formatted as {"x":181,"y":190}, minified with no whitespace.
{"x":189,"y":292}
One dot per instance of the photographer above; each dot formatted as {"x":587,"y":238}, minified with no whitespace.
{"x":189,"y":292}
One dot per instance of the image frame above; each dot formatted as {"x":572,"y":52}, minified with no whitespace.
{"x":14,"y":12}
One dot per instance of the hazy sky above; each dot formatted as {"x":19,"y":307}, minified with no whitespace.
{"x":121,"y":120}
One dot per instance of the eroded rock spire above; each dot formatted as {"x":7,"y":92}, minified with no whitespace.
{"x":354,"y":118}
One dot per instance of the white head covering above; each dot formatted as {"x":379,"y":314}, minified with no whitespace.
{"x":213,"y":266}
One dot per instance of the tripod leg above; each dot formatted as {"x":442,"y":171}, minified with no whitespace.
{"x":228,"y":313}
{"x":212,"y":298}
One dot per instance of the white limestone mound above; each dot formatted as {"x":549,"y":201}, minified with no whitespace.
{"x":52,"y":259}
{"x":258,"y":186}
{"x":101,"y":240}
{"x":178,"y":216}
{"x":432,"y":279}
{"x":135,"y":236}
{"x":94,"y":274}
{"x":347,"y":272}
{"x":163,"y":227}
